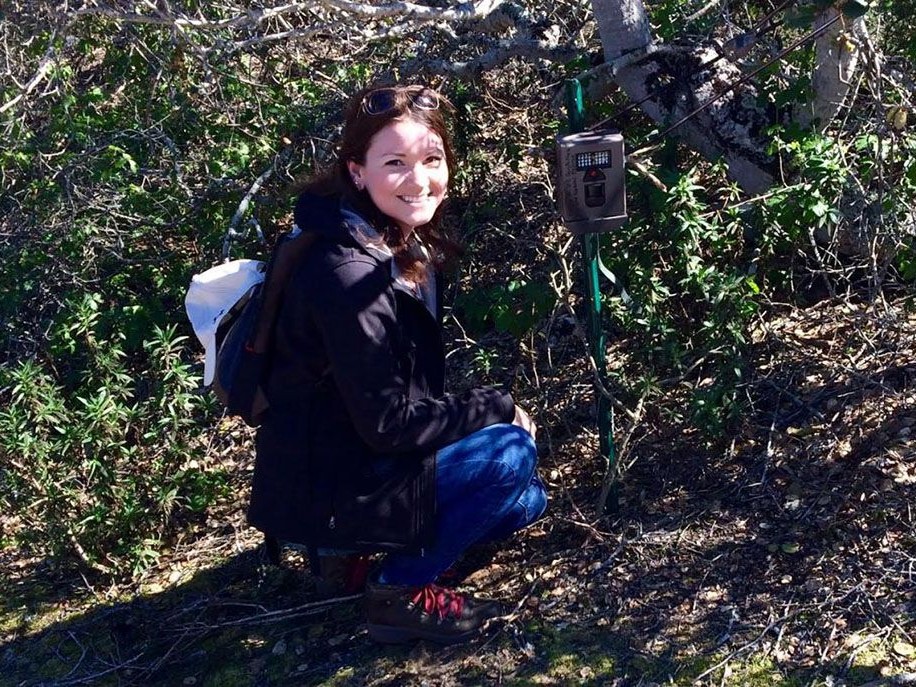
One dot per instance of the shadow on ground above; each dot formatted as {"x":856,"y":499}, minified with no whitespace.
{"x":243,"y":622}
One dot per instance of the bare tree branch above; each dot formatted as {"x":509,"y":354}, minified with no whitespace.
{"x":44,"y":66}
{"x":502,"y":52}
{"x":468,"y":11}
{"x":287,"y":36}
{"x":251,"y":18}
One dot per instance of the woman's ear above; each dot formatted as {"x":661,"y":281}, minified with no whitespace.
{"x":356,"y":174}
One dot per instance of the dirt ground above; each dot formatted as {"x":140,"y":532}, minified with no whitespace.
{"x":783,"y":556}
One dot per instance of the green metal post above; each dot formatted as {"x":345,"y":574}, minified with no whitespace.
{"x":590,"y":246}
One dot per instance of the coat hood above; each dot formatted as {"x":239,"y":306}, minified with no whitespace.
{"x":332,"y":217}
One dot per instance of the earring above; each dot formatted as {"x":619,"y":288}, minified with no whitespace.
{"x":356,"y":183}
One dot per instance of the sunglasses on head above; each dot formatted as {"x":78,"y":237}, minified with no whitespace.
{"x":383,"y":100}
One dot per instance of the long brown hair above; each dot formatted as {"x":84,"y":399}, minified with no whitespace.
{"x":359,"y":128}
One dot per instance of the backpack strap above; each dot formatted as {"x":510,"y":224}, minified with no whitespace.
{"x":287,"y":254}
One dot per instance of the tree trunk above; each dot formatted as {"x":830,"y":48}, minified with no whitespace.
{"x":837,"y":57}
{"x":682,"y":78}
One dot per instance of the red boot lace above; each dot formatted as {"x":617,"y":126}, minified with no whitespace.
{"x":435,"y":599}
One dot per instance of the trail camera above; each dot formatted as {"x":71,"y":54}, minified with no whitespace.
{"x":592,"y":193}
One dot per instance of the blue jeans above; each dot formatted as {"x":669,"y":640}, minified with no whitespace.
{"x":487,"y":487}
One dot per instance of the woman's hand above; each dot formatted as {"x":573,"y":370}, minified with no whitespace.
{"x":525,"y":422}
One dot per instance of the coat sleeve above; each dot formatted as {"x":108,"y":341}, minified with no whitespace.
{"x":353,"y":307}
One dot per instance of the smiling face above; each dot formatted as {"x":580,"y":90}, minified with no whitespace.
{"x":404,"y":172}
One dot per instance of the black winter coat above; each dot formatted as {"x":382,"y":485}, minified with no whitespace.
{"x":358,"y":409}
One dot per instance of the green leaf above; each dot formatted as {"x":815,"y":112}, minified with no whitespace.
{"x":820,"y":208}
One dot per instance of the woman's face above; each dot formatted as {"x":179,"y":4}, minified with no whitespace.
{"x":405,"y":172}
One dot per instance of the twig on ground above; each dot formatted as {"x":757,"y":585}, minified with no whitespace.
{"x":273,"y":616}
{"x":94,"y":677}
{"x":892,"y":681}
{"x":795,"y":399}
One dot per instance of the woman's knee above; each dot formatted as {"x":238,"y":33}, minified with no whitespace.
{"x":512,"y":449}
{"x":498,"y":454}
{"x":537,"y":499}
{"x":518,"y":448}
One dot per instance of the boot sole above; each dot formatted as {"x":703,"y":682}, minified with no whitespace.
{"x":389,"y":634}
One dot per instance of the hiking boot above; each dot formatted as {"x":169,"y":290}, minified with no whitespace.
{"x":398,"y":614}
{"x":341,"y":575}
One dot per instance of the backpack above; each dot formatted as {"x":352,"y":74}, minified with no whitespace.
{"x":233,"y":309}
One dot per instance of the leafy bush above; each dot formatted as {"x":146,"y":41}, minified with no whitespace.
{"x":694,"y":293}
{"x":512,"y":308}
{"x":116,"y":188}
{"x":850,"y":204}
{"x":99,"y":465}
{"x":700,"y":264}
{"x":126,"y":162}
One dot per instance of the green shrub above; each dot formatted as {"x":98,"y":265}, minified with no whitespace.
{"x":102,"y":465}
{"x":699,"y":263}
{"x":694,"y":293}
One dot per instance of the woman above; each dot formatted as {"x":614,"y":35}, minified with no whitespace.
{"x":362,"y":449}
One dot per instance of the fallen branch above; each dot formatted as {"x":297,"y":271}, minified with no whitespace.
{"x":93,"y":679}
